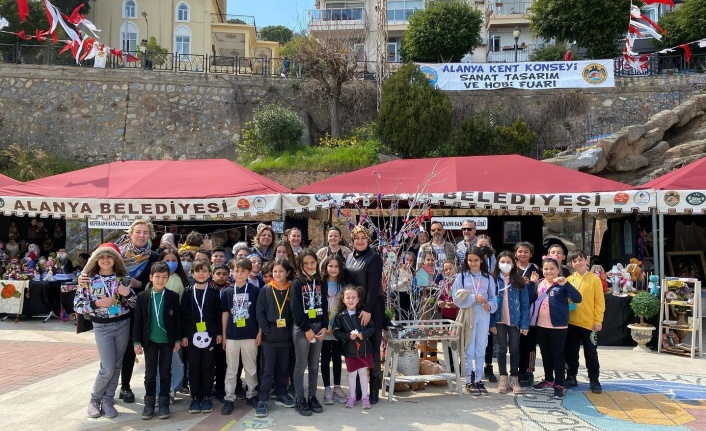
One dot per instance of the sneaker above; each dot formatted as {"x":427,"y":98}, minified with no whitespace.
{"x":558,"y":392}
{"x":315,"y":405}
{"x":185,"y":390}
{"x":350,"y":403}
{"x":488,"y":373}
{"x":206,"y":405}
{"x":515,"y":385}
{"x":195,"y":406}
{"x":339,"y":394}
{"x":527,"y":380}
{"x":285,"y":401}
{"x":328,"y":397}
{"x":240,"y":393}
{"x":227,"y":407}
{"x":252,"y":402}
{"x":172,"y":396}
{"x":302,"y":406}
{"x":570,"y":382}
{"x":596,"y":387}
{"x":109,"y":409}
{"x":471,"y":389}
{"x":365,"y":402}
{"x":502,"y":385}
{"x":480,"y":387}
{"x":94,"y":409}
{"x":543,"y":385}
{"x":261,"y":410}
{"x":127,"y":395}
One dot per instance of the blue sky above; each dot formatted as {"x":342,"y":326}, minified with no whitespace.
{"x":289,"y":13}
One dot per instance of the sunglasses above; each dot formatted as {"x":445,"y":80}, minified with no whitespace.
{"x":467,"y":228}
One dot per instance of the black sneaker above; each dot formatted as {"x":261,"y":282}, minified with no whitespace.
{"x":471,"y":389}
{"x":596,"y":387}
{"x":220,"y":396}
{"x":558,"y":392}
{"x":206,"y":405}
{"x":240,"y":393}
{"x":480,"y":387}
{"x":526,"y":380}
{"x":315,"y":405}
{"x":195,"y":406}
{"x":127,"y":396}
{"x":285,"y":401}
{"x":252,"y":402}
{"x":227,"y":407}
{"x":488,"y":373}
{"x":302,"y":406}
{"x":261,"y":410}
{"x":570,"y":382}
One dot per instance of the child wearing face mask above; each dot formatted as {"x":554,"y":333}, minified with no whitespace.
{"x":187,"y":259}
{"x":511,"y":319}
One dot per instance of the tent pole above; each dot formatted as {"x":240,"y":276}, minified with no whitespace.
{"x":583,"y":231}
{"x":661,"y":245}
{"x":656,"y":260}
{"x":88,"y":237}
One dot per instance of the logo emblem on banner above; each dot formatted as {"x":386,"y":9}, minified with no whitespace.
{"x":323,"y":198}
{"x":621,"y":198}
{"x":259,"y":203}
{"x":672,"y":199}
{"x":2,"y":203}
{"x":642,"y":198}
{"x":595,"y":74}
{"x":695,"y":198}
{"x":431,"y":74}
{"x":243,"y":204}
{"x":303,"y":200}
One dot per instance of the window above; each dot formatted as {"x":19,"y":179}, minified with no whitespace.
{"x":495,"y":43}
{"x":182,"y":40}
{"x":651,"y":13}
{"x":359,"y":50}
{"x":393,"y":49}
{"x":128,"y":42}
{"x":401,"y":10}
{"x":129,"y":9}
{"x":182,"y":12}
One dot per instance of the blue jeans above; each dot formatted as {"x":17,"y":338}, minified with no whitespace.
{"x":177,"y":372}
{"x":111,"y":340}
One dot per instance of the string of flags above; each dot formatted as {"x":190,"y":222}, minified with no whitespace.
{"x":82,"y":45}
{"x":646,"y":25}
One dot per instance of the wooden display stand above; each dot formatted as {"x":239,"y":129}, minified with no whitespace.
{"x":405,"y":332}
{"x":694,"y":348}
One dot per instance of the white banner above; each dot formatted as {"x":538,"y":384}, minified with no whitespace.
{"x":454,"y":223}
{"x":163,"y":209}
{"x":681,"y":201}
{"x":525,"y":75}
{"x":109,"y":224}
{"x":610,"y":202}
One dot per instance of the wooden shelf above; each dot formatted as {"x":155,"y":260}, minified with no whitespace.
{"x":667,"y":313}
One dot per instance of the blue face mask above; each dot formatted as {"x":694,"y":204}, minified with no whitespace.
{"x":172,"y":266}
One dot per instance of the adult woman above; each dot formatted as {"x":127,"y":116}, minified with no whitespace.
{"x":137,"y":255}
{"x":364,"y":268}
{"x":262,"y":243}
{"x":334,"y":239}
{"x":294,"y":236}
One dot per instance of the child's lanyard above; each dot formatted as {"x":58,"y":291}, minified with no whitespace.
{"x":579,"y":283}
{"x":109,"y":292}
{"x":171,"y":281}
{"x":312,"y":295}
{"x":475,"y":285}
{"x":280,"y":308}
{"x":158,"y":307}
{"x":203,"y":300}
{"x":239,"y":308}
{"x":524,"y":271}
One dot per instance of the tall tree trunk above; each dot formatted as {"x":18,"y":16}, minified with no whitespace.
{"x":333,"y":103}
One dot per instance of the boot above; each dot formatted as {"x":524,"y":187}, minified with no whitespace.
{"x":502,"y":385}
{"x":488,"y":371}
{"x":164,"y":407}
{"x":515,"y":385}
{"x":148,"y":411}
{"x":374,"y":387}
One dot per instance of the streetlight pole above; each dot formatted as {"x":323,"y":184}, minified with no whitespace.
{"x":516,"y":34}
{"x":144,"y":15}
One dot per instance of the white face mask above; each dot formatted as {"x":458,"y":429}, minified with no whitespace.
{"x":505,"y":268}
{"x":186,"y":265}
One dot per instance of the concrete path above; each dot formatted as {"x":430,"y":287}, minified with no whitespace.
{"x":48,"y":371}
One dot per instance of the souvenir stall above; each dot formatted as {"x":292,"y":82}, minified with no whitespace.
{"x":396,"y":198}
{"x":114,"y":194}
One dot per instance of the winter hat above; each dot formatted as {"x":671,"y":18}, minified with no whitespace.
{"x":113,"y":251}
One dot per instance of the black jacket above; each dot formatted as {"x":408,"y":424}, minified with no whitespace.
{"x":302,"y":301}
{"x":143,"y":317}
{"x":343,"y":325}
{"x":267,"y":315}
{"x":364,"y":268}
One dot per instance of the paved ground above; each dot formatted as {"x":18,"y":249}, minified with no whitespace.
{"x":48,"y":372}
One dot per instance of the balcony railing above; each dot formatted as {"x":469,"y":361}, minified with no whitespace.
{"x":221,"y":18}
{"x":503,"y":9}
{"x":508,"y":55}
{"x":400,"y":15}
{"x":348,"y":14}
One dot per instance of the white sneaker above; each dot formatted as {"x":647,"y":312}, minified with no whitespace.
{"x":172,"y":395}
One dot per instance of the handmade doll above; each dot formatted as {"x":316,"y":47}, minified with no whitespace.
{"x":13,"y":232}
{"x":12,"y":248}
{"x":600,"y":272}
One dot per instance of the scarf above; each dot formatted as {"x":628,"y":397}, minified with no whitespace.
{"x":135,"y":259}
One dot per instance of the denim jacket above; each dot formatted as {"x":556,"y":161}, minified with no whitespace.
{"x":518,"y":303}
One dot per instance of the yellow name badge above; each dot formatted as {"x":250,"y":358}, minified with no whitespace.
{"x":240,"y":323}
{"x":200,"y":326}
{"x":281,"y":323}
{"x":312,"y":313}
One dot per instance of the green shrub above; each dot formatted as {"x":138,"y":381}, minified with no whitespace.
{"x":549,"y":52}
{"x":645,"y":306}
{"x":26,"y":163}
{"x":331,"y":142}
{"x":274,"y":128}
{"x":550,"y":153}
{"x":312,"y":159}
{"x":490,"y":132}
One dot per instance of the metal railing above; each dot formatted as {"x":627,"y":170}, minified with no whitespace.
{"x":400,"y":15}
{"x":661,"y":65}
{"x":222,"y":18}
{"x":508,"y":55}
{"x":348,"y":14}
{"x":510,"y":8}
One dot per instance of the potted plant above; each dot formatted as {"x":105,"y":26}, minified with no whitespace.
{"x":645,"y":306}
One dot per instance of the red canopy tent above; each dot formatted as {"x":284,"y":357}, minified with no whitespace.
{"x":681,"y":191}
{"x":7,"y":181}
{"x":165,"y":189}
{"x":499,"y":182}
